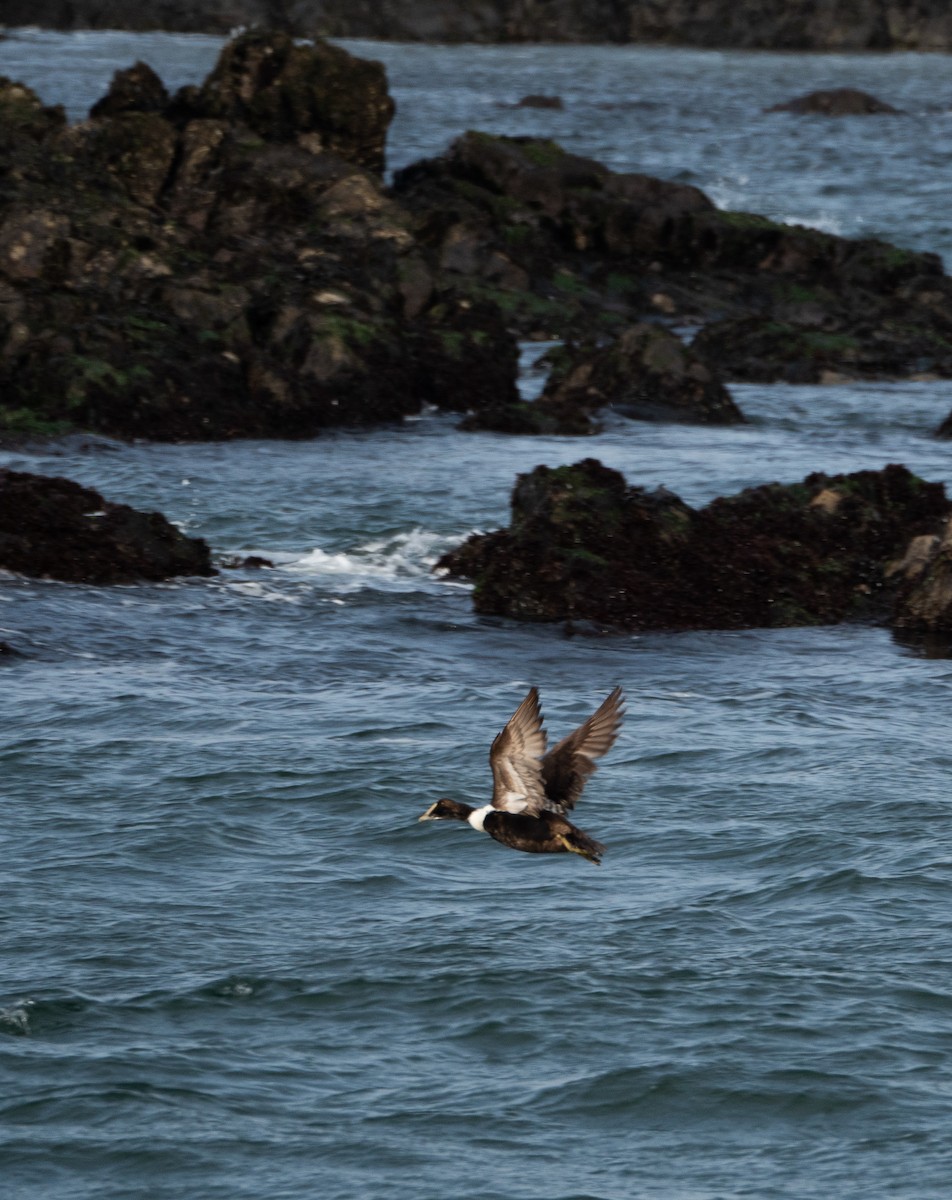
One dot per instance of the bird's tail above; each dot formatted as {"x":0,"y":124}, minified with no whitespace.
{"x":580,"y":843}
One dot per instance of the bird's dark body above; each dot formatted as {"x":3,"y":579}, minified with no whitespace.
{"x":547,"y":833}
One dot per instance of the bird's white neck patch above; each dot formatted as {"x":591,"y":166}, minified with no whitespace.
{"x":478,"y":816}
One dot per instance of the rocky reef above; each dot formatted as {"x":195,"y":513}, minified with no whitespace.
{"x":53,"y":528}
{"x":584,"y":547}
{"x":227,"y":262}
{"x":748,"y":24}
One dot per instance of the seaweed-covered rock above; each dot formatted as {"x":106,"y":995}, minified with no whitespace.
{"x":573,"y":250}
{"x":53,"y":528}
{"x":647,"y":374}
{"x":219,"y":265}
{"x":763,"y":349}
{"x":584,"y":546}
{"x":318,"y":96}
{"x":537,"y":198}
{"x":228,"y":263}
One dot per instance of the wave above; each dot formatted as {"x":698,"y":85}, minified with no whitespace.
{"x":740,"y":194}
{"x":707,"y":1094}
{"x":395,"y":563}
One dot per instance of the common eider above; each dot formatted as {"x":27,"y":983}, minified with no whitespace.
{"x":532,"y":789}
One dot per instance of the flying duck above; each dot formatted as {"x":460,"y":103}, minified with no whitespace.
{"x":532,"y":789}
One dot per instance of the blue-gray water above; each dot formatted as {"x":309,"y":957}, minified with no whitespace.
{"x":233,"y":964}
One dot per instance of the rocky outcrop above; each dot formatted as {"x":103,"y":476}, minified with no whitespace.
{"x":846,"y":25}
{"x":52,"y":528}
{"x":223,"y":262}
{"x":316,"y":96}
{"x":571,"y":249}
{"x":137,"y":89}
{"x":226,"y":262}
{"x":584,"y":546}
{"x":648,"y":373}
{"x":835,"y":102}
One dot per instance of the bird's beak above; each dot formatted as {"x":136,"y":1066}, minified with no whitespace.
{"x":428,"y":815}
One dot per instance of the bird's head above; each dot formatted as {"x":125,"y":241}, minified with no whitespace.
{"x":447,"y":810}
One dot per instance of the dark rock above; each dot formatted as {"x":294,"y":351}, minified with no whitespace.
{"x":577,"y":202}
{"x":24,"y":118}
{"x":251,"y":562}
{"x":924,"y":576}
{"x":835,"y":102}
{"x":203,"y":16}
{"x":52,"y":528}
{"x":318,"y":96}
{"x":584,"y":546}
{"x":535,"y":100}
{"x":764,"y":350}
{"x":848,"y":25}
{"x":572,"y":250}
{"x":200,"y":278}
{"x":648,"y":374}
{"x":467,"y":358}
{"x":137,"y":89}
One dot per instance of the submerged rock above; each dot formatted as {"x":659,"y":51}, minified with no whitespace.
{"x":584,"y":546}
{"x":53,"y":528}
{"x":537,"y":100}
{"x":835,"y":102}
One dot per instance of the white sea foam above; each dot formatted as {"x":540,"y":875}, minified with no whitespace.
{"x":825,"y":222}
{"x":263,"y":591}
{"x":740,"y":194}
{"x":16,"y":1018}
{"x":395,"y":563}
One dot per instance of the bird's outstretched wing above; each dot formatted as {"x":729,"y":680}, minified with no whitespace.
{"x":567,"y":766}
{"x":516,"y":759}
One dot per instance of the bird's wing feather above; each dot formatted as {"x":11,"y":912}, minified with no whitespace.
{"x":567,"y":766}
{"x":516,"y":760}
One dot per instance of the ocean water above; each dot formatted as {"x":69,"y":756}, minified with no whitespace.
{"x":233,"y":963}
